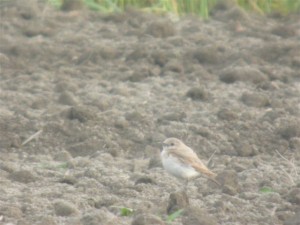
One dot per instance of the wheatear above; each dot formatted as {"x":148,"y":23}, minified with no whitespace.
{"x":182,"y":162}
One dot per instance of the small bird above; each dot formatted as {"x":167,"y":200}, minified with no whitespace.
{"x":182,"y":162}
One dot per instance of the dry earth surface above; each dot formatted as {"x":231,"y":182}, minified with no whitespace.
{"x":98,"y":94}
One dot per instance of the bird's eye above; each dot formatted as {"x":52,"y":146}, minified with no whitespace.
{"x":172,"y":144}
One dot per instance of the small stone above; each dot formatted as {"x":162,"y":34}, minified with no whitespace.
{"x":80,"y":113}
{"x":145,"y":180}
{"x":284,"y":31}
{"x":236,"y":14}
{"x":203,"y":131}
{"x":230,"y":190}
{"x":173,"y":66}
{"x":9,"y":140}
{"x":72,"y":5}
{"x":255,"y":99}
{"x":11,"y":211}
{"x":177,"y":200}
{"x":134,"y":116}
{"x":224,"y":5}
{"x":137,"y":54}
{"x":249,"y":195}
{"x":238,"y":167}
{"x":207,"y":55}
{"x":271,"y":51}
{"x":120,"y":90}
{"x":245,"y":74}
{"x":160,"y":58}
{"x":40,"y":103}
{"x":293,"y":196}
{"x":227,"y":114}
{"x":108,"y":52}
{"x":146,"y":219}
{"x":96,"y":217}
{"x":174,"y":116}
{"x":161,"y":29}
{"x":195,"y":215}
{"x":68,"y":179}
{"x":267,"y":85}
{"x":154,"y":162}
{"x":62,"y":156}
{"x":294,"y":220}
{"x":295,"y":143}
{"x":106,"y":201}
{"x":284,"y":215}
{"x":23,"y":176}
{"x":289,"y":129}
{"x":138,"y":76}
{"x":140,"y":165}
{"x":83,"y":149}
{"x":197,"y":93}
{"x":92,"y":219}
{"x":67,"y":98}
{"x":244,"y":149}
{"x":47,"y":220}
{"x":229,"y":181}
{"x":121,"y":123}
{"x":65,"y":85}
{"x":63,"y":208}
{"x":296,"y":61}
{"x":8,"y":166}
{"x":5,"y":61}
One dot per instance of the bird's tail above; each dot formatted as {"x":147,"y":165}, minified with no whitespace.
{"x":204,"y":170}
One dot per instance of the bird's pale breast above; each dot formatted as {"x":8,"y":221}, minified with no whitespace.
{"x":175,"y":167}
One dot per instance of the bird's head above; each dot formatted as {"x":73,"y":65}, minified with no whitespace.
{"x":171,"y":143}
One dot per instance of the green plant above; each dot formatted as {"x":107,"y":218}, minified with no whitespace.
{"x":62,"y":166}
{"x":268,"y":6}
{"x":266,"y":190}
{"x":182,"y":7}
{"x":55,"y":3}
{"x":124,"y":211}
{"x":174,"y":215}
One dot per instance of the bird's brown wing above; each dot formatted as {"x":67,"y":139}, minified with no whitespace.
{"x":203,"y":169}
{"x":191,"y":158}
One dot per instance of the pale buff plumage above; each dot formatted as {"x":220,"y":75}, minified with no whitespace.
{"x":182,"y":162}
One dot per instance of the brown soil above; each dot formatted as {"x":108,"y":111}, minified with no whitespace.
{"x":101,"y":92}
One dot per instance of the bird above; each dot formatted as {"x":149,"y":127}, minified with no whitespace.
{"x":182,"y":162}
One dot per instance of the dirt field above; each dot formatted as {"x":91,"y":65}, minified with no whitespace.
{"x":99,"y":93}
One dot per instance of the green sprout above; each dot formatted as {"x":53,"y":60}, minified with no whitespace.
{"x":126,"y":211}
{"x":266,"y":190}
{"x":174,"y":215}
